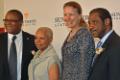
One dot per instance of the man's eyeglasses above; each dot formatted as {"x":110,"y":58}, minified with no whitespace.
{"x":10,"y":20}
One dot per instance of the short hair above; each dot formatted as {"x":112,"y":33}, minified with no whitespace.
{"x":17,"y":12}
{"x":48,"y":32}
{"x":103,"y":14}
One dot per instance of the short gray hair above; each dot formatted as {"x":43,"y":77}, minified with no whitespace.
{"x":48,"y":32}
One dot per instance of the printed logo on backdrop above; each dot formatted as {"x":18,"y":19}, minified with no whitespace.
{"x":115,"y":15}
{"x":28,"y":21}
{"x":59,"y":22}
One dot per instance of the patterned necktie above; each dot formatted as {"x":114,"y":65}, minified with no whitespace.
{"x":99,"y":44}
{"x":13,"y":60}
{"x":96,"y":55}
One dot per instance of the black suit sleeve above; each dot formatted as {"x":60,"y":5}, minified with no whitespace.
{"x":114,"y":64}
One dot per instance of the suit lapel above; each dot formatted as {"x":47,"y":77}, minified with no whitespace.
{"x":4,"y":55}
{"x":5,"y":43}
{"x":24,"y":49}
{"x":105,"y":46}
{"x":25,"y":46}
{"x":5,"y":47}
{"x":26,"y":54}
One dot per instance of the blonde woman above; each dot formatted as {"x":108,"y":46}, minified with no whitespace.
{"x":45,"y":65}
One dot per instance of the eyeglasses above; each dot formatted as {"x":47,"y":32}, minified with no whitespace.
{"x":10,"y":20}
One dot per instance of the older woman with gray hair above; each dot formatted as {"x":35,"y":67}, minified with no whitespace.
{"x":45,"y":64}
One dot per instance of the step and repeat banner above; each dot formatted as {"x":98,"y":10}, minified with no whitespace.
{"x":49,"y":13}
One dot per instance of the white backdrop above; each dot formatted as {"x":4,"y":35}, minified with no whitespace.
{"x":1,"y":11}
{"x":49,"y":13}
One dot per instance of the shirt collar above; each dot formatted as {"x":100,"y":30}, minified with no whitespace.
{"x":106,"y":36}
{"x":17,"y":35}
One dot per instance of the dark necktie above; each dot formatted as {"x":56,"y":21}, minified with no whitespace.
{"x":13,"y":60}
{"x":96,"y":55}
{"x":99,"y":44}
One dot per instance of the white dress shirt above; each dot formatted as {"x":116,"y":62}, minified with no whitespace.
{"x":19,"y":46}
{"x":105,"y":37}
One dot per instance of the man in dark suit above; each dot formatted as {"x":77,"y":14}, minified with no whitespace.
{"x":24,"y":45}
{"x":107,"y":63}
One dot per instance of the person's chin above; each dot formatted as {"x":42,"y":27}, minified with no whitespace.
{"x":10,"y":31}
{"x":68,"y":25}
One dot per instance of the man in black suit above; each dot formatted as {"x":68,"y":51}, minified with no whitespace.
{"x":24,"y":45}
{"x":107,"y":63}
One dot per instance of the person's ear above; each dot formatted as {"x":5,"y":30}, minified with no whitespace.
{"x":80,"y":16}
{"x":107,"y":21}
{"x":107,"y":24}
{"x":50,"y":40}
